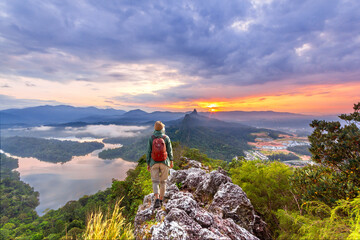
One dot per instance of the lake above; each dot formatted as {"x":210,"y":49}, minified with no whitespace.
{"x":59,"y":183}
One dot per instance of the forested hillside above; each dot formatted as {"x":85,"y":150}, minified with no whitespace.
{"x":48,"y":150}
{"x":217,"y":139}
{"x":18,"y":200}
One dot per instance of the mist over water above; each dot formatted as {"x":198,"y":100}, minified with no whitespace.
{"x":59,"y":183}
{"x":89,"y":131}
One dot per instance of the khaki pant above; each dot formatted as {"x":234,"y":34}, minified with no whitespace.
{"x":159,"y":175}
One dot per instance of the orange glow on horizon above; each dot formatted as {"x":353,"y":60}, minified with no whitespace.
{"x":315,"y":100}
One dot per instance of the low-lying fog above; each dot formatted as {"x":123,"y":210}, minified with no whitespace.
{"x":89,"y":131}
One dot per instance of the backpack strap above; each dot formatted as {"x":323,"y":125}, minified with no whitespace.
{"x":153,"y":137}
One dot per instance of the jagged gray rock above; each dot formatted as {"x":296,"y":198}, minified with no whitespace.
{"x":209,"y":186}
{"x":230,"y":201}
{"x":192,"y":164}
{"x":181,"y":200}
{"x":207,"y":206}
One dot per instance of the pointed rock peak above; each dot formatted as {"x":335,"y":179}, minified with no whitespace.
{"x":194,"y":112}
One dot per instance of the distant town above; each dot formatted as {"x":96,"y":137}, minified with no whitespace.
{"x":290,"y":149}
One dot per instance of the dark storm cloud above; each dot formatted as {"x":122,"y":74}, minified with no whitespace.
{"x":232,"y":42}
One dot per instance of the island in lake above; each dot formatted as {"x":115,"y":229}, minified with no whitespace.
{"x":48,"y":150}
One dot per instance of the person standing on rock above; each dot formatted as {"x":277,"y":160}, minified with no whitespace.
{"x":159,"y":159}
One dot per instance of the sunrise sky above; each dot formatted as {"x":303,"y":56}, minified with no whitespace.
{"x":251,"y":55}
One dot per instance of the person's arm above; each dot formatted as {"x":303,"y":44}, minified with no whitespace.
{"x":148,"y":155}
{"x":169,"y":151}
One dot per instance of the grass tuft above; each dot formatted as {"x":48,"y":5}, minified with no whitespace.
{"x":111,"y":226}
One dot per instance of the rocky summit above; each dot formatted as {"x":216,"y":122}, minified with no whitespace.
{"x":200,"y":204}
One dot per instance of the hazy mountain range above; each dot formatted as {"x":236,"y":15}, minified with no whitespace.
{"x":64,"y":114}
{"x":216,"y":138}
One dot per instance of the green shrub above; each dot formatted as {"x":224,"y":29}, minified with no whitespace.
{"x":267,"y":186}
{"x":320,"y":221}
{"x":320,"y":183}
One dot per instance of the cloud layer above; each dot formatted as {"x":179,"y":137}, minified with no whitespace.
{"x":193,"y":45}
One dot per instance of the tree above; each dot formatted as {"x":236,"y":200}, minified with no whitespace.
{"x":336,"y":150}
{"x":267,"y":186}
{"x":338,"y":147}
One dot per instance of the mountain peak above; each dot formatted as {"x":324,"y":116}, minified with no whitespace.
{"x":194,"y":112}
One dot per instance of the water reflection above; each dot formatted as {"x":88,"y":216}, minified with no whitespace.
{"x":59,"y":183}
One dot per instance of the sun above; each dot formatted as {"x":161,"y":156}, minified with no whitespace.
{"x":212,"y":107}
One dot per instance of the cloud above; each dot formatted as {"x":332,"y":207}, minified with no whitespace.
{"x":29,"y":84}
{"x":11,"y":102}
{"x":103,"y":131}
{"x":200,"y":38}
{"x":201,"y":43}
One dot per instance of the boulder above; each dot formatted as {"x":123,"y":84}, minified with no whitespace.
{"x":192,"y":164}
{"x":231,"y":229}
{"x":182,"y":200}
{"x":188,"y":179}
{"x":261,"y":229}
{"x":193,"y":178}
{"x":209,"y":185}
{"x":168,"y":230}
{"x":204,"y":218}
{"x":177,"y":177}
{"x":171,"y":189}
{"x":230,"y":201}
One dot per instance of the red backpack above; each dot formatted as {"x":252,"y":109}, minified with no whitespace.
{"x":158,"y":152}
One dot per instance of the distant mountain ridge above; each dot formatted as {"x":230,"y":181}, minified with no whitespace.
{"x":64,"y":114}
{"x":52,"y":114}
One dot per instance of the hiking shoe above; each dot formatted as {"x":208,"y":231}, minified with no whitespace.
{"x":157,"y":203}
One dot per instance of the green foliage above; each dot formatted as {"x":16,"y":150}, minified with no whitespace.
{"x":4,"y":234}
{"x":68,"y":220}
{"x":8,"y":162}
{"x":302,"y":150}
{"x":336,"y":150}
{"x":319,"y":221}
{"x":130,"y":151}
{"x":267,"y":186}
{"x":179,"y":185}
{"x":338,"y":147}
{"x":195,"y":154}
{"x":329,"y":190}
{"x":319,"y":183}
{"x":111,"y":153}
{"x":217,"y":142}
{"x":282,"y":157}
{"x":133,"y":189}
{"x":17,"y":199}
{"x":49,"y":150}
